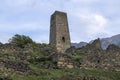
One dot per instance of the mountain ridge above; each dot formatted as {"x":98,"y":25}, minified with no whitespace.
{"x":105,"y":42}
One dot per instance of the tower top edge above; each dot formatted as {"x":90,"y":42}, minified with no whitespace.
{"x":59,"y":12}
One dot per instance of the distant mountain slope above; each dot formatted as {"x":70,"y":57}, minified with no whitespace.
{"x":111,"y":40}
{"x":105,"y":42}
{"x":78,"y":45}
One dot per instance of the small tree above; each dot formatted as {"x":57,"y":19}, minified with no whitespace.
{"x":20,"y":40}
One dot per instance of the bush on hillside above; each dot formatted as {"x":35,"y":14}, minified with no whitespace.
{"x":20,"y":40}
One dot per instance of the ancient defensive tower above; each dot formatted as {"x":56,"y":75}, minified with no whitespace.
{"x":59,"y":31}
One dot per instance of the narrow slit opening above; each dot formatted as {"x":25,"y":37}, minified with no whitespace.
{"x":63,"y":39}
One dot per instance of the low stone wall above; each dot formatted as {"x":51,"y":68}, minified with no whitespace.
{"x":65,"y":62}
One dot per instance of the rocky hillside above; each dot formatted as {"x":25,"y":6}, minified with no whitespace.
{"x":94,"y":57}
{"x":15,"y":60}
{"x":23,"y":59}
{"x":41,"y":62}
{"x":101,"y":59}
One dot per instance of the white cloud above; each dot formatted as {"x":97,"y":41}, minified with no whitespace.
{"x":92,"y":25}
{"x":95,"y":23}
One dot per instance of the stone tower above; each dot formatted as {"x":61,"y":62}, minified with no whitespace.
{"x":59,"y":31}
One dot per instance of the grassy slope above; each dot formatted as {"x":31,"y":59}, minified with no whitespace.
{"x":60,"y":74}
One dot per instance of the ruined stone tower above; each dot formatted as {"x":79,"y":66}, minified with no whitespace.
{"x":59,"y":31}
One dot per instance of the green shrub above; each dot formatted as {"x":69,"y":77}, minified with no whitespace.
{"x":20,"y":40}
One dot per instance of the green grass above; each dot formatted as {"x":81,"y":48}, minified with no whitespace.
{"x":31,"y":77}
{"x":58,"y":74}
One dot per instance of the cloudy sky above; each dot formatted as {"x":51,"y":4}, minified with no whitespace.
{"x":88,"y":19}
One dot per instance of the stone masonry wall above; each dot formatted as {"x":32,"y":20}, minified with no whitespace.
{"x":59,"y":31}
